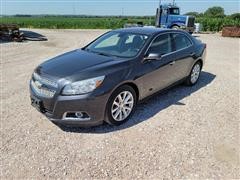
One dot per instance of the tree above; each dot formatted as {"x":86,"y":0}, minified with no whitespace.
{"x":215,"y":11}
{"x":196,"y":14}
{"x":235,"y":16}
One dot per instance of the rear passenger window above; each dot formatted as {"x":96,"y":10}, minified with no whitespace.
{"x":161,"y":45}
{"x":181,"y":41}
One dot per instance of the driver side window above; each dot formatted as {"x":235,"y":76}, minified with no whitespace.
{"x":161,"y":45}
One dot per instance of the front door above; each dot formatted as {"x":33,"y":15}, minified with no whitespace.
{"x":157,"y":74}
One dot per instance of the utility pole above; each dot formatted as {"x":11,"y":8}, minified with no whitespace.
{"x":122,"y":12}
{"x":74,"y":8}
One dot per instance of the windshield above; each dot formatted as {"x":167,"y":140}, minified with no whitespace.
{"x":174,"y":11}
{"x":120,"y":44}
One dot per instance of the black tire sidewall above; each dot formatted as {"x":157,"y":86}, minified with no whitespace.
{"x":109,"y":117}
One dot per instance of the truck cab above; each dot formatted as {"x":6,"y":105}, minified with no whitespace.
{"x":168,"y":16}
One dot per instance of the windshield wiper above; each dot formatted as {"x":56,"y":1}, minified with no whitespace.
{"x":101,"y":53}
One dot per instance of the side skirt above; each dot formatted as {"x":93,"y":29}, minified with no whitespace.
{"x":162,"y":91}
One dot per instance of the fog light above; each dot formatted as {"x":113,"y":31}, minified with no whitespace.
{"x":79,"y":114}
{"x":76,"y":116}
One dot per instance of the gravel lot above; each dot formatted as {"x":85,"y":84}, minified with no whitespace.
{"x":188,"y":132}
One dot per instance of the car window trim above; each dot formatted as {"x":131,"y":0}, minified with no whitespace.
{"x":174,"y":51}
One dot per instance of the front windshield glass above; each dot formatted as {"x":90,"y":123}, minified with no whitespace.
{"x":120,"y":44}
{"x":174,"y":11}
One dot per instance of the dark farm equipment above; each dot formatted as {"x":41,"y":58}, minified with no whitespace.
{"x":10,"y":32}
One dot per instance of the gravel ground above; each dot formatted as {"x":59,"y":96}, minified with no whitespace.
{"x":187,"y":132}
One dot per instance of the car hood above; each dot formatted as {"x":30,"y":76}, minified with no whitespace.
{"x":73,"y":62}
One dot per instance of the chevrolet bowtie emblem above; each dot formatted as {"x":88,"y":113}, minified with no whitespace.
{"x":38,"y":84}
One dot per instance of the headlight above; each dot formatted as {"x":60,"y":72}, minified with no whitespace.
{"x":82,"y":87}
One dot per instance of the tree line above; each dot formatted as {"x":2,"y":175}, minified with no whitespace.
{"x":215,"y":12}
{"x":214,"y":19}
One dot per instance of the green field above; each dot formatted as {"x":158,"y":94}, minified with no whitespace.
{"x":61,"y":22}
{"x":72,"y":22}
{"x":216,"y":24}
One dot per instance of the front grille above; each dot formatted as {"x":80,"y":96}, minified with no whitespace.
{"x":44,"y":80}
{"x":190,"y":21}
{"x":42,"y":91}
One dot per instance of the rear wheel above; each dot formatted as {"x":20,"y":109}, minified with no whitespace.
{"x":121,"y":105}
{"x":195,"y":74}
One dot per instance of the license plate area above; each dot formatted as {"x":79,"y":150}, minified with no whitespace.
{"x":38,"y":104}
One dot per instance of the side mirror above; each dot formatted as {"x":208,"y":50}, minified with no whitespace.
{"x":152,"y":57}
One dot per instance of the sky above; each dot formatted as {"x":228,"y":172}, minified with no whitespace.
{"x":108,"y":7}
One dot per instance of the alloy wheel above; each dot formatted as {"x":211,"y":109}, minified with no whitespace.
{"x":122,"y":106}
{"x":195,"y":73}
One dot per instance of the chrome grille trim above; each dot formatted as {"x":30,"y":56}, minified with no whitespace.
{"x":190,"y":21}
{"x":45,"y":80}
{"x":42,"y":91}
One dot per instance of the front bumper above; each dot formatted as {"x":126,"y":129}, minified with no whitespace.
{"x":55,"y":108}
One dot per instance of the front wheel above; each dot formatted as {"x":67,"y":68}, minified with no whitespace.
{"x":175,"y":27}
{"x":195,"y":74}
{"x":121,"y":105}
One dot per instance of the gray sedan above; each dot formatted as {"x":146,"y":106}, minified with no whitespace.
{"x":105,"y":80}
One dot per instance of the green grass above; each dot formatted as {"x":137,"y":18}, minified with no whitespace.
{"x":61,"y":22}
{"x":71,"y":23}
{"x":216,"y":24}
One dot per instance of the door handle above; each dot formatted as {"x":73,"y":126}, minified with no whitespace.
{"x":172,"y":63}
{"x":192,"y":54}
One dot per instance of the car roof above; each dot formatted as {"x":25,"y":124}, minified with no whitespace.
{"x":144,"y":30}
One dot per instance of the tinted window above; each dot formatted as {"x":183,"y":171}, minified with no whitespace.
{"x":161,"y":45}
{"x":180,"y":41}
{"x":174,"y":11}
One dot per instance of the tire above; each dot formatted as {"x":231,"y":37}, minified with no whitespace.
{"x":175,"y":27}
{"x":118,"y":113}
{"x":194,"y":75}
